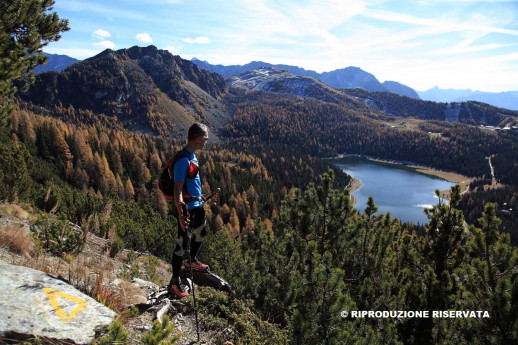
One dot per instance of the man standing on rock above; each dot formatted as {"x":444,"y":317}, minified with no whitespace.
{"x":189,"y":205}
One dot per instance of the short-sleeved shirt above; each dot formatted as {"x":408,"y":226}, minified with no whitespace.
{"x":193,"y":184}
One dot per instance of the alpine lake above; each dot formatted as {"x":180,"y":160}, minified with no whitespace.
{"x":396,"y":188}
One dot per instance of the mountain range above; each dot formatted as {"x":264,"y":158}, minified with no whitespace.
{"x":350,"y":77}
{"x":149,"y":90}
{"x":279,"y":81}
{"x":270,"y":111}
{"x":507,"y":99}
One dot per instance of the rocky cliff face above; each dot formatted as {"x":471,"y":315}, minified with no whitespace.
{"x":167,"y":70}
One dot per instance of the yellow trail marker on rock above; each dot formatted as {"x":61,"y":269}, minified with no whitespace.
{"x":63,"y":315}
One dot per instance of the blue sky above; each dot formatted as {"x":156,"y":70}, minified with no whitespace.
{"x":458,"y":44}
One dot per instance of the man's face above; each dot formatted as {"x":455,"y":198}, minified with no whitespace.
{"x":201,"y":140}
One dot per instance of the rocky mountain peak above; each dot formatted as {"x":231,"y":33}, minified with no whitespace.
{"x":143,"y":88}
{"x":280,"y":81}
{"x":258,"y":79}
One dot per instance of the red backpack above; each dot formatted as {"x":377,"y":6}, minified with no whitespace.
{"x":166,"y":181}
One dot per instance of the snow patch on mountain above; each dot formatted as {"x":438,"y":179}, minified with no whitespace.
{"x":259,"y":79}
{"x":280,"y":81}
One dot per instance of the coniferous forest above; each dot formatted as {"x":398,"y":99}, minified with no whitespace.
{"x":285,"y":234}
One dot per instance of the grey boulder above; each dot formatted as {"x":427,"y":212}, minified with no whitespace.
{"x":34,"y":304}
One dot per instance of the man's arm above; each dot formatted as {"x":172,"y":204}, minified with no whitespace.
{"x":183,"y":213}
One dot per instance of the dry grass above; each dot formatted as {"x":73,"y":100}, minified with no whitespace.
{"x":94,"y":281}
{"x":131,"y":294}
{"x":106,"y":295}
{"x":17,"y":240}
{"x":17,"y":211}
{"x":13,"y":210}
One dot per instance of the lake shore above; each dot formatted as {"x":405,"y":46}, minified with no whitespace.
{"x":462,"y":180}
{"x":459,"y":179}
{"x":353,"y":185}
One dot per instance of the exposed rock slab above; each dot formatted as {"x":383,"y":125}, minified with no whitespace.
{"x":36,"y":304}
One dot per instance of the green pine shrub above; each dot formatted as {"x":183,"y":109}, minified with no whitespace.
{"x":57,"y":235}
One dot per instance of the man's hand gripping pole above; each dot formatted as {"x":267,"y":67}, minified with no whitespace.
{"x":183,"y":215}
{"x":214,"y":196}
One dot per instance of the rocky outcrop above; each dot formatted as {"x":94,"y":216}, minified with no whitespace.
{"x":35,"y":304}
{"x":207,"y":279}
{"x":451,"y":113}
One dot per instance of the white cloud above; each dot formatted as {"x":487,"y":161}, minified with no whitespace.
{"x":101,"y":34}
{"x":294,"y":22}
{"x":197,"y":40}
{"x":474,"y":1}
{"x":171,"y":49}
{"x":410,"y":44}
{"x":440,"y":25}
{"x":323,"y":14}
{"x":460,"y":49}
{"x":102,"y":10}
{"x":144,"y":38}
{"x":105,"y":44}
{"x":494,"y":74}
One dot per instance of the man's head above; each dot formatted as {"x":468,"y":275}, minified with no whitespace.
{"x":198,"y":135}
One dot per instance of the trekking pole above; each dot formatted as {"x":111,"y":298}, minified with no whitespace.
{"x":188,"y":234}
{"x":188,"y":250}
{"x":214,"y":195}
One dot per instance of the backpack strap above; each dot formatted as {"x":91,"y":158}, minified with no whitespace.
{"x":183,"y":153}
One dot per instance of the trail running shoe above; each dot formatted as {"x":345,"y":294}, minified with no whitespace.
{"x":196,"y":266}
{"x":177,"y":289}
